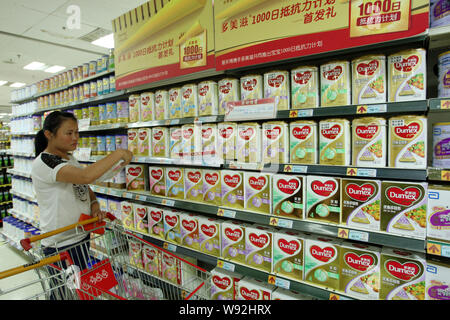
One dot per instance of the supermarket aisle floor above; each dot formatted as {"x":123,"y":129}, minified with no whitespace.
{"x":11,"y":258}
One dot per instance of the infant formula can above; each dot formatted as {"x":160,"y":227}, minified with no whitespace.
{"x":335,"y":84}
{"x":441,"y":145}
{"x":407,"y":75}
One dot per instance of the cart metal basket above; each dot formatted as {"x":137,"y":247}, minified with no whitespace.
{"x":111,"y":263}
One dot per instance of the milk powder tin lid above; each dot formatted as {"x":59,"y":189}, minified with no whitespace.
{"x":276,"y":71}
{"x":441,"y":124}
{"x":207,"y":82}
{"x":174,"y":88}
{"x":336,"y":62}
{"x":444,"y":54}
{"x":408,"y":117}
{"x":313,"y":68}
{"x":228,"y":79}
{"x":380,"y":121}
{"x":251,"y":76}
{"x":369,"y":57}
{"x":335,"y":120}
{"x":408,"y":51}
{"x":250,"y":124}
{"x":311,"y":122}
{"x":275,"y":122}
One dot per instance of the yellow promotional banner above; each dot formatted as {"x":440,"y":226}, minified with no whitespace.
{"x":163,"y":39}
{"x":260,"y":31}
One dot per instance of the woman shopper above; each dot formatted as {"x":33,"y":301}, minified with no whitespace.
{"x":62,"y":187}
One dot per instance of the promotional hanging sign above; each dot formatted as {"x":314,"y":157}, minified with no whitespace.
{"x":261,"y":31}
{"x":163,"y":39}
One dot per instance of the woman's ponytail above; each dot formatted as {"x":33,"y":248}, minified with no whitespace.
{"x":40,"y":142}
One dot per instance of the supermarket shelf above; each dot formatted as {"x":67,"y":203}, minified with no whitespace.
{"x":172,"y":122}
{"x":352,"y":110}
{"x":12,"y":242}
{"x":439,"y":37}
{"x":439,"y":104}
{"x":26,"y":133}
{"x":109,"y":126}
{"x":98,"y":99}
{"x":37,"y":95}
{"x":23,"y":195}
{"x":20,"y":154}
{"x":344,"y":171}
{"x":438,"y":248}
{"x":98,"y":75}
{"x":24,"y":217}
{"x":438,"y":174}
{"x":338,"y":231}
{"x":304,"y":287}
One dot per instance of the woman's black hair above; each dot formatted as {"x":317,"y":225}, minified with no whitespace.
{"x":52,"y":123}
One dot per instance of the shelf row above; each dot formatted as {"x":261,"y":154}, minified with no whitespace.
{"x":419,"y":106}
{"x":64,"y":87}
{"x":311,"y":289}
{"x":430,"y":174}
{"x":380,"y":238}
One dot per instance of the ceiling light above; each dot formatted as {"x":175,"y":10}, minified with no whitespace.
{"x":2,"y":82}
{"x":105,"y":42}
{"x":35,"y":66}
{"x":17,"y":84}
{"x":54,"y":69}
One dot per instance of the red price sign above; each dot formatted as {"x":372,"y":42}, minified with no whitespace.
{"x":380,"y":16}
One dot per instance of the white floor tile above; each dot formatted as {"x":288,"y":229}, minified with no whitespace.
{"x":11,"y":258}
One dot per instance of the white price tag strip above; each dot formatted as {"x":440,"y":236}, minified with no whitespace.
{"x":283,"y":283}
{"x":366,"y":172}
{"x":251,"y":109}
{"x":228,"y":266}
{"x":358,"y":235}
{"x":285,"y":223}
{"x":167,"y":202}
{"x":376,"y":108}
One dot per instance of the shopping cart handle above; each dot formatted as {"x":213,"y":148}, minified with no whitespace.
{"x":26,"y":243}
{"x":37,"y":264}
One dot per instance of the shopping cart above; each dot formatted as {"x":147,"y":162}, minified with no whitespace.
{"x":111,"y":263}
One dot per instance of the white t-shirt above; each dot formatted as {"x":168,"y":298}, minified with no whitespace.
{"x":60,"y":203}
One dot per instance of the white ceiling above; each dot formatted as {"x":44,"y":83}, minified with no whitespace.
{"x":37,"y":30}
